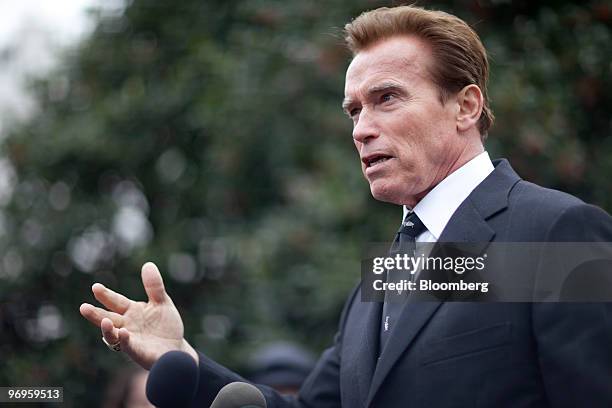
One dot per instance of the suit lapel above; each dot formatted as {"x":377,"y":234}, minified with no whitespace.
{"x":468,"y":224}
{"x":368,"y":347}
{"x":411,"y":320}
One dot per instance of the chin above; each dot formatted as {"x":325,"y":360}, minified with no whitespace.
{"x":384,"y":192}
{"x":394,"y":193}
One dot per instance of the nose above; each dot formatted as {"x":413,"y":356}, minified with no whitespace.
{"x":365,"y":128}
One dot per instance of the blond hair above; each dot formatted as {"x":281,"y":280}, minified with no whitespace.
{"x":460,"y":59}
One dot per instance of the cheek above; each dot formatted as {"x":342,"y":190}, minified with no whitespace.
{"x":358,"y":149}
{"x":431,"y":141}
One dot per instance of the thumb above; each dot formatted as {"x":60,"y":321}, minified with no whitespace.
{"x":153,"y":283}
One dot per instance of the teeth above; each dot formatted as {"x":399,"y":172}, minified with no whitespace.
{"x":382,"y":159}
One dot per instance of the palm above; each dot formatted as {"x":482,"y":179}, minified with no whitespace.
{"x":154,"y":328}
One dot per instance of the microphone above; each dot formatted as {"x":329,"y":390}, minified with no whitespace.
{"x":173,"y":380}
{"x":239,"y":395}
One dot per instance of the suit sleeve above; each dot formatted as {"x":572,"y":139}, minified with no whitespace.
{"x":320,"y":390}
{"x":574,"y":340}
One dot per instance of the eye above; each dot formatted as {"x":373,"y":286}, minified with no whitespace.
{"x":353,"y":112}
{"x":387,"y":97}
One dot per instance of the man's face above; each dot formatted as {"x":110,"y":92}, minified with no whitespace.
{"x":406,"y":139}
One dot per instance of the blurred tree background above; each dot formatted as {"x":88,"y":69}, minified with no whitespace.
{"x":207,"y":136}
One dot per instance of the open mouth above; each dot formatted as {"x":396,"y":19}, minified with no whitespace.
{"x":373,"y":160}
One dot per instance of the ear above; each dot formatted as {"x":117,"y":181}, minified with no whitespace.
{"x":470,"y":102}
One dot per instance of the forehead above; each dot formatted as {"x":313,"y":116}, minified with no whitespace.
{"x":404,"y":58}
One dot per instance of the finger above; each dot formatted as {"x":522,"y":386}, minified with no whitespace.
{"x":124,"y":340}
{"x":153,"y":283}
{"x":129,"y":344}
{"x":96,"y":314}
{"x":109,"y":332}
{"x":110,"y":299}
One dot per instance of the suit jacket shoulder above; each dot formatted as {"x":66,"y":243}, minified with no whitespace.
{"x":520,"y":211}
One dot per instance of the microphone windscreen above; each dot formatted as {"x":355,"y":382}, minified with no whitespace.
{"x":173,"y":380}
{"x":239,"y":395}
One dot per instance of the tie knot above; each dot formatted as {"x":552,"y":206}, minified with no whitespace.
{"x":412,"y":225}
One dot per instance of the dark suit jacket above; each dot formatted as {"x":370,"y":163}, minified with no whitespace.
{"x":467,"y":354}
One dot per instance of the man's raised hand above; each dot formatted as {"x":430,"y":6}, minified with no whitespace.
{"x":144,"y":330}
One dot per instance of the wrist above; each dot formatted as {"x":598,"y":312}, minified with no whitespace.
{"x":186,"y":347}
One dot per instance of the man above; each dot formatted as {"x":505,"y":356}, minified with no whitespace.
{"x":416,"y":91}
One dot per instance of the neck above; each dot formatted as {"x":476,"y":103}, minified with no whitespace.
{"x":468,"y":153}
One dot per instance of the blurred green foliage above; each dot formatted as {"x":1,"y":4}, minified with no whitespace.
{"x":207,"y":136}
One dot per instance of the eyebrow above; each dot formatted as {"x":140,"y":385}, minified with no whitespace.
{"x":374,"y":89}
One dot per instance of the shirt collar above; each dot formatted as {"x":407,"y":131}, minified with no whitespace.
{"x":439,"y":205}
